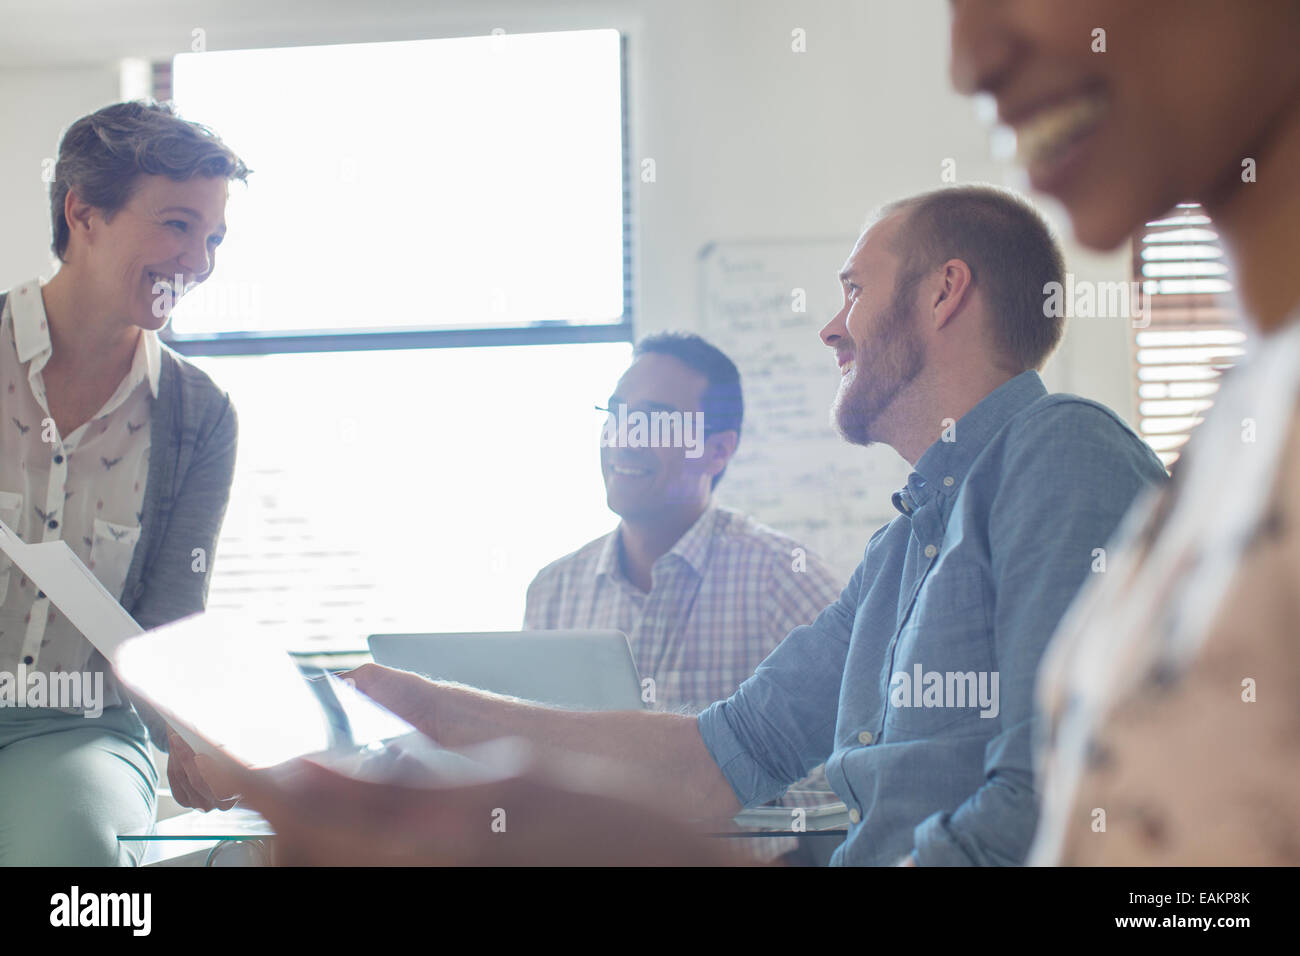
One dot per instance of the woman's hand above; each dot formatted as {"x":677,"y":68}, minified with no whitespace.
{"x":188,"y":785}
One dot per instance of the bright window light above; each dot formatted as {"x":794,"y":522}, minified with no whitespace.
{"x":417,"y":489}
{"x":469,"y":182}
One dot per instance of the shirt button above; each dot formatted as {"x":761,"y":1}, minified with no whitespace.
{"x":58,"y":459}
{"x":948,"y":482}
{"x":864,"y":737}
{"x":40,"y":594}
{"x":29,"y":660}
{"x":854,"y":816}
{"x":931,"y":551}
{"x":53,"y":524}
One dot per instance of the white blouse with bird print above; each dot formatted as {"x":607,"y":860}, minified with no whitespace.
{"x":86,"y":488}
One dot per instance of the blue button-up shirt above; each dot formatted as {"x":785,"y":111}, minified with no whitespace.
{"x":916,"y":686}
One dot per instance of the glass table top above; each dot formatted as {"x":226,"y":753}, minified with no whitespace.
{"x":237,"y":824}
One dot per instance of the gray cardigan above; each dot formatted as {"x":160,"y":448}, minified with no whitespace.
{"x":192,"y":435}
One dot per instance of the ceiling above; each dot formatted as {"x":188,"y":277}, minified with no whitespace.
{"x":44,"y":33}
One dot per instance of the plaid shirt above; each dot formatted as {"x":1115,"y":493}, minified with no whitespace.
{"x":722,"y":599}
{"x":725,"y":595}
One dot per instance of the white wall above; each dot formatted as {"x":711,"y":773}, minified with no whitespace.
{"x":750,"y":139}
{"x":35,"y":106}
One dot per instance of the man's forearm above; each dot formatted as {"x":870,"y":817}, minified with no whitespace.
{"x":660,"y":756}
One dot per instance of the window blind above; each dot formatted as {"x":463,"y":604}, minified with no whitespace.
{"x":1194,"y":331}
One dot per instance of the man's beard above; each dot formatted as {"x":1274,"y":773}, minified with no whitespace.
{"x":881,"y":369}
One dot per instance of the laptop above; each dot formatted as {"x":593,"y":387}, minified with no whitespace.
{"x":576,"y":670}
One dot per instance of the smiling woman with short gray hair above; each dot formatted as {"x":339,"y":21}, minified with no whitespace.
{"x":114,"y":444}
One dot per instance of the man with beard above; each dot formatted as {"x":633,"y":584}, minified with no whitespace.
{"x":916,"y":686}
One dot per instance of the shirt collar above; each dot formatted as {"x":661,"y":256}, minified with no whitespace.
{"x":32,"y":338}
{"x":692,"y":547}
{"x":607,"y":563}
{"x":152,"y":358}
{"x":31,"y":335}
{"x":945,"y":463}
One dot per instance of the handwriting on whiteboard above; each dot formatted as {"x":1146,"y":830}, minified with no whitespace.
{"x":793,"y":471}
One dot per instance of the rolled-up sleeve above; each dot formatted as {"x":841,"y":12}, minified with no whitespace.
{"x":1070,"y":477}
{"x":780,"y":723}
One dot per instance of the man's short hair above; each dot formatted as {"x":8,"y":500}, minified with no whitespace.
{"x":102,"y":155}
{"x":723,"y":403}
{"x":1011,"y":253}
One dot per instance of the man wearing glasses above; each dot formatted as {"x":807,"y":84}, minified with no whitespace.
{"x":703,"y":592}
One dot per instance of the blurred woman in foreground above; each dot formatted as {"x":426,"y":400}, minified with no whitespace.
{"x":1169,"y":692}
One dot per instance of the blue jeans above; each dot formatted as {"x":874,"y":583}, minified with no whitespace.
{"x":69,"y":785}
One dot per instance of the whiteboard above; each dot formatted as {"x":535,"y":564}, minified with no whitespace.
{"x":793,"y":471}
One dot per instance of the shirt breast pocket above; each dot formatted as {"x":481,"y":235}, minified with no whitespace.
{"x":11,"y":509}
{"x":942,"y":674}
{"x":111,"y":553}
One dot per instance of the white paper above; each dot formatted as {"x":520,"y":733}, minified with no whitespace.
{"x":219,"y":681}
{"x":73,"y":589}
{"x":215,"y":677}
{"x":221,"y":686}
